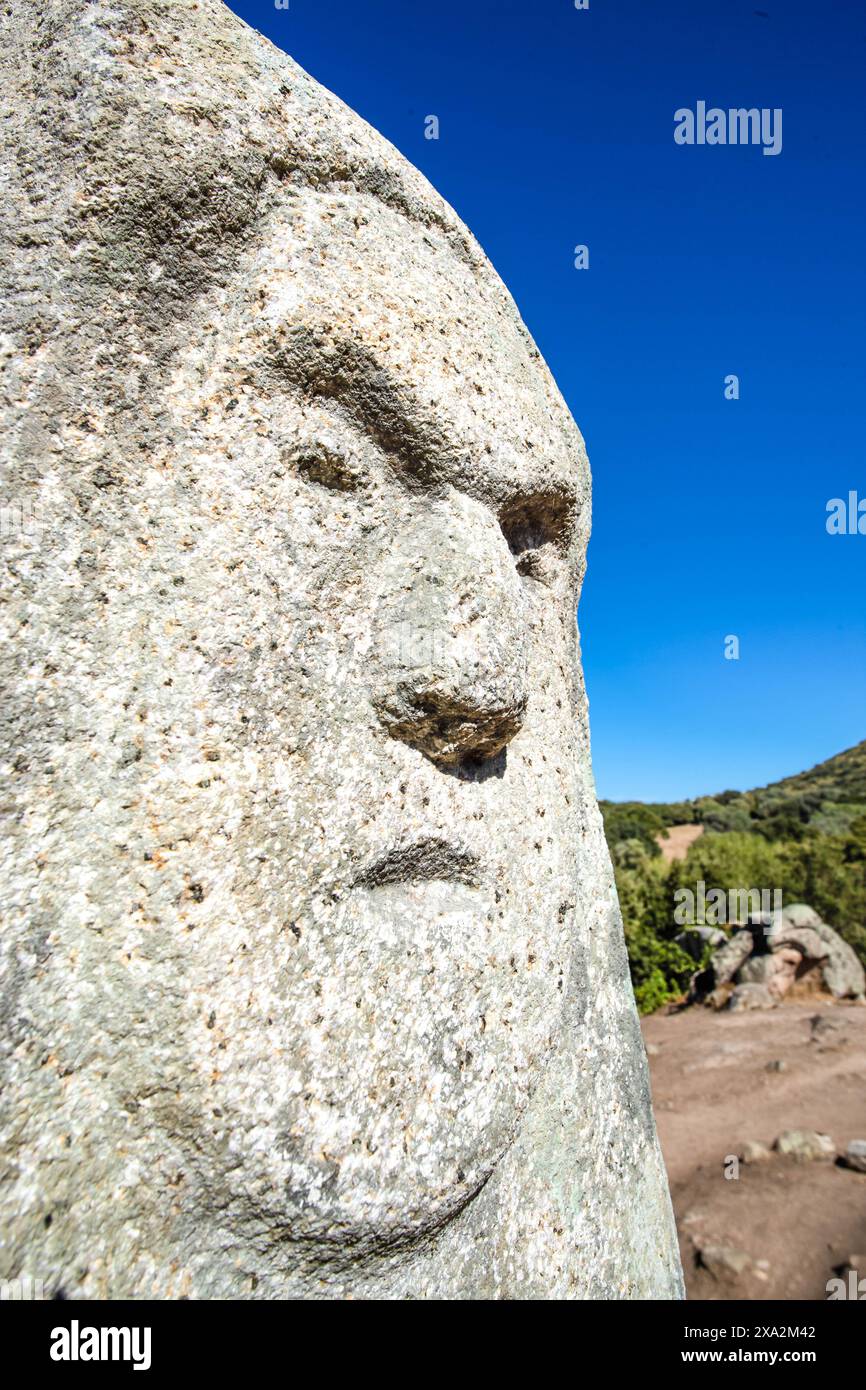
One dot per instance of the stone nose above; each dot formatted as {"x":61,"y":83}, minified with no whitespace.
{"x":451,"y":671}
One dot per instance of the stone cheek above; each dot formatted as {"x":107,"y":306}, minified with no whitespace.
{"x":315,"y":981}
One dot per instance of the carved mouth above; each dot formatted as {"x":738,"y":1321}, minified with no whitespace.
{"x":420,"y":861}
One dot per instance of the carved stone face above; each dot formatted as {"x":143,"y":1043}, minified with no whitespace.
{"x":312,"y":975}
{"x":387,"y":540}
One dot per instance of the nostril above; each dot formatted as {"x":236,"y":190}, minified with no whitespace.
{"x":446,"y":729}
{"x":478,"y":769}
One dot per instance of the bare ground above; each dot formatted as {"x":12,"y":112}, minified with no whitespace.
{"x":713,"y":1089}
{"x":677,"y":841}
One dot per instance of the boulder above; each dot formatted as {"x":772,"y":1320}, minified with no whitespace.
{"x":843,"y":973}
{"x":800,"y":915}
{"x":727,"y":960}
{"x":718,"y":999}
{"x":725,"y":1261}
{"x":824,"y":1027}
{"x":855,"y":1155}
{"x":730,"y":1265}
{"x":753,"y":1151}
{"x":776,"y":970}
{"x":752,"y":996}
{"x":804,"y":940}
{"x":806,"y":1146}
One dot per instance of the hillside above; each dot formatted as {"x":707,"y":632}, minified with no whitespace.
{"x":827,"y":799}
{"x":841,"y":778}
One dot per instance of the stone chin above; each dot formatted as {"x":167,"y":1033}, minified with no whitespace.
{"x":382,"y":1105}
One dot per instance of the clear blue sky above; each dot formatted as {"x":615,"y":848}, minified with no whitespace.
{"x":556,"y":128}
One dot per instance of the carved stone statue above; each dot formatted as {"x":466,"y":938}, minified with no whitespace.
{"x":314,"y":978}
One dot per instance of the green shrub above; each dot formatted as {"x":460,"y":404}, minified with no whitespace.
{"x":631,"y":820}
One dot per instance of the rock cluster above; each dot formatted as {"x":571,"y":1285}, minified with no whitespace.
{"x":725,"y":1260}
{"x":773,"y":952}
{"x":807,"y":1146}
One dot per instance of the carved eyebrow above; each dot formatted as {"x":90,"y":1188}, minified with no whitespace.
{"x":329,"y":366}
{"x":326,"y":366}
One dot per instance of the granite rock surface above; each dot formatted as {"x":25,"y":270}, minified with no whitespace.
{"x":313,"y":975}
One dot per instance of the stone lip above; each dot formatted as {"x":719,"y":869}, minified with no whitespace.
{"x":420,"y":860}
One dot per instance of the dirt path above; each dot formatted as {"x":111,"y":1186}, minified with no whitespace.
{"x":676,"y":842}
{"x":715,"y":1085}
